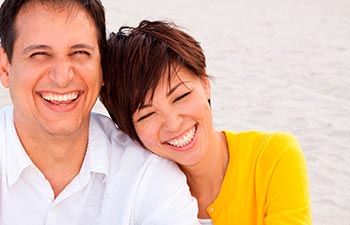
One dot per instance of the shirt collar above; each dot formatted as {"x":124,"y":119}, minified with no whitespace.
{"x":16,"y":158}
{"x":98,"y":149}
{"x":96,"y":158}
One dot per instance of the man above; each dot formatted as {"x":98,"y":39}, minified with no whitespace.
{"x":59,"y":163}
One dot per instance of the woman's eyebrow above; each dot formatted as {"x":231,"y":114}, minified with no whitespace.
{"x":174,"y":88}
{"x":169,"y":93}
{"x":144,"y":106}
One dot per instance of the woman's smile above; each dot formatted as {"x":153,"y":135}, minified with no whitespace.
{"x":183,"y":140}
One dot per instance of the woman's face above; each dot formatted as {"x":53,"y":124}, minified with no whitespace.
{"x":177,"y":123}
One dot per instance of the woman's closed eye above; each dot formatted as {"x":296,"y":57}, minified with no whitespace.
{"x":182,"y":96}
{"x":144,"y":116}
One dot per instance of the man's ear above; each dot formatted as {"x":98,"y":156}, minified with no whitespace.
{"x":4,"y":65}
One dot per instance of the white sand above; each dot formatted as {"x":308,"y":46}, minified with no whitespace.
{"x":278,"y":65}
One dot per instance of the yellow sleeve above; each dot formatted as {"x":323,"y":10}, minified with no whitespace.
{"x":287,"y":196}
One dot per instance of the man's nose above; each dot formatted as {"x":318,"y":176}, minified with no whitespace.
{"x":62,"y":72}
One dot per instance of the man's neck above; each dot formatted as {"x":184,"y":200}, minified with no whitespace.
{"x":59,"y":158}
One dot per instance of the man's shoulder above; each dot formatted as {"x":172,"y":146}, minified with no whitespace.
{"x":126,"y":149}
{"x":151,"y":183}
{"x":5,"y":114}
{"x":5,"y":110}
{"x":104,"y":126}
{"x":103,"y":122}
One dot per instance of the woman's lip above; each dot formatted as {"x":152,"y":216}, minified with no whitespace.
{"x":182,"y":136}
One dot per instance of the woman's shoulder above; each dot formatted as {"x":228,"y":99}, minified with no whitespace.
{"x":262,"y":145}
{"x":261,"y":138}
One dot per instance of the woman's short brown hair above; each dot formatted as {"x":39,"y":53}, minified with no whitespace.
{"x":137,"y":58}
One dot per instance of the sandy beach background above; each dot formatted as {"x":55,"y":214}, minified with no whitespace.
{"x":278,"y":65}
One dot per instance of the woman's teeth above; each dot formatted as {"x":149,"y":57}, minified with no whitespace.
{"x":184,"y":140}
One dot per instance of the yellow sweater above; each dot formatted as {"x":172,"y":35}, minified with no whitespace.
{"x":266,"y":182}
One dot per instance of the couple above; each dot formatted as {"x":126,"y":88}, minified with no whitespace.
{"x":62,"y":164}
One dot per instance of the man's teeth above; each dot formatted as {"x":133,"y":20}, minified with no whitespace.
{"x":184,"y":140}
{"x":60,"y":98}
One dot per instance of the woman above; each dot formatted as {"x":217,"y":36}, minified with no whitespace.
{"x":158,"y":92}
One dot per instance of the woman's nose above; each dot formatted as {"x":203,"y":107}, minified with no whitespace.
{"x":172,"y":121}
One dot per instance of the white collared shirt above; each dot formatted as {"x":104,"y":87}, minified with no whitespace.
{"x":119,"y":183}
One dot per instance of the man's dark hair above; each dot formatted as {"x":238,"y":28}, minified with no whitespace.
{"x":10,"y":9}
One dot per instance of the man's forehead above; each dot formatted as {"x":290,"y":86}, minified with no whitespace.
{"x":53,"y":8}
{"x":35,"y":18}
{"x":69,"y":8}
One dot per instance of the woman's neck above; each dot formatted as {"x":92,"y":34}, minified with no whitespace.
{"x":206,"y":177}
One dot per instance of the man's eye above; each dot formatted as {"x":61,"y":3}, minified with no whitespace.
{"x":38,"y":54}
{"x":182,"y":96}
{"x":81,"y":52}
{"x":144,"y":117}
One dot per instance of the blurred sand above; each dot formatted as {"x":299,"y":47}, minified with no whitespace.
{"x":278,"y":65}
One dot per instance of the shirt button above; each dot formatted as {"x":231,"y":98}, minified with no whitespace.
{"x":210,"y":210}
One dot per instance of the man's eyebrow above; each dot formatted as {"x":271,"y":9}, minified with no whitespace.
{"x":80,"y":46}
{"x":31,"y":48}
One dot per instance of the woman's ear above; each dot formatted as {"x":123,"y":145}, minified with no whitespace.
{"x":4,"y":65}
{"x":206,"y":86}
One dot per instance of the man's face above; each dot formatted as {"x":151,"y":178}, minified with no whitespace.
{"x":55,"y":75}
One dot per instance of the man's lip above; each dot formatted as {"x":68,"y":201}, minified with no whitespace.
{"x":60,"y":98}
{"x":60,"y":102}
